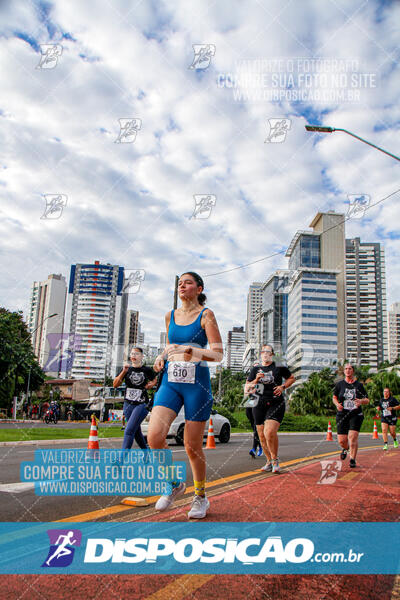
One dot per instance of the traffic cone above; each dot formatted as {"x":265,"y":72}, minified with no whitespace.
{"x":93,"y":443}
{"x":329,"y":437}
{"x":210,"y":437}
{"x":375,"y":435}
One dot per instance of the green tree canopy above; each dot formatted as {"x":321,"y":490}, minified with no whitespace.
{"x":17,"y":359}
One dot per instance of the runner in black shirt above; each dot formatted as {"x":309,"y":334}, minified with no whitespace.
{"x":266,"y":381}
{"x":138,"y":379}
{"x":389,"y":407}
{"x":348,"y":396}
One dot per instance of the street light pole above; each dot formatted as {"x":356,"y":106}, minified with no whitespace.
{"x":318,"y":129}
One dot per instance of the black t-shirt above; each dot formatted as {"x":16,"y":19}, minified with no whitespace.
{"x":273,"y":376}
{"x":384,"y":403}
{"x":346,"y":393}
{"x":136,"y":379}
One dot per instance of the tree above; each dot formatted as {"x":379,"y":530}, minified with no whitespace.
{"x":232,"y":388}
{"x":314,"y":396}
{"x":17,"y":359}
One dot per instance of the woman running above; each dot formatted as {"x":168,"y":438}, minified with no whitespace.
{"x":186,"y":382}
{"x":388,"y":405}
{"x":138,"y":380}
{"x":266,"y":381}
{"x":348,"y":396}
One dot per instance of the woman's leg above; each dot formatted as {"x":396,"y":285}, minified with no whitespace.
{"x":263,"y":441}
{"x":271,"y":435}
{"x":392,"y":429}
{"x":128,"y":439}
{"x":132,"y":429}
{"x":161,"y":418}
{"x":353,"y":441}
{"x":193,"y":439}
{"x":385,"y":427}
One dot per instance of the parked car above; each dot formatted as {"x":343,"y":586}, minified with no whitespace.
{"x":221,"y":426}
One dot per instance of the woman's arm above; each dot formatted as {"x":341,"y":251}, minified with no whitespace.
{"x":119,"y":378}
{"x":159,"y":362}
{"x":216,"y":351}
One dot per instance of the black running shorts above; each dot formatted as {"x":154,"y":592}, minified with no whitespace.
{"x":266,"y":411}
{"x":347,"y":422}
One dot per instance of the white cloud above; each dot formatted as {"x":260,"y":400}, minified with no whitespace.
{"x":130,"y":203}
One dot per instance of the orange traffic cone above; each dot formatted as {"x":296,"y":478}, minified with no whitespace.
{"x":93,"y":443}
{"x":210,"y":437}
{"x":329,"y":437}
{"x":375,"y":435}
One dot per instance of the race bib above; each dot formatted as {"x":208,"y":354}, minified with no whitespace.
{"x":387,"y":413}
{"x":134,"y":395}
{"x":349,"y":405}
{"x":181,"y":372}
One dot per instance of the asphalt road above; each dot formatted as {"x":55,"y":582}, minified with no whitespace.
{"x":226,"y":460}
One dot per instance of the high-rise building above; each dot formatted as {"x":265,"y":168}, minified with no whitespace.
{"x":272,"y":324}
{"x":312,"y":321}
{"x":254,"y":301}
{"x":235,"y":348}
{"x":47,"y":298}
{"x":394,"y":331}
{"x":131,"y":331}
{"x":96,"y":319}
{"x":367,"y":342}
{"x":324,"y":248}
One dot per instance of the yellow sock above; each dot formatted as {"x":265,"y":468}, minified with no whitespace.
{"x":200,"y":488}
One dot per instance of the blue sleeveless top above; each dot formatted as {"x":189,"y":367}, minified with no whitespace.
{"x":192,"y":334}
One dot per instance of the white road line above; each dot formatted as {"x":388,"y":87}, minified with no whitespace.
{"x":17,"y":488}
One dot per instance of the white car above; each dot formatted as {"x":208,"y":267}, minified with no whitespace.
{"x":221,"y":426}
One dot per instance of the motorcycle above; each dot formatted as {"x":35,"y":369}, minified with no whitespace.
{"x":50,"y":415}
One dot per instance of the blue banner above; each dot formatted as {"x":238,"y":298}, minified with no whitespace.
{"x":192,"y":547}
{"x":80,"y":472}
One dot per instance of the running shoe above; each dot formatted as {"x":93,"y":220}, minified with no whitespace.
{"x":395,"y":444}
{"x":385,"y":447}
{"x":267,"y":467}
{"x":343,"y":454}
{"x":252,"y":453}
{"x":352,"y":463}
{"x":260,"y":451}
{"x":275,"y":466}
{"x":199,"y":507}
{"x":164,"y":502}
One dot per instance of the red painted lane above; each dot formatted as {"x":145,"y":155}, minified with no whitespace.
{"x":371,"y":492}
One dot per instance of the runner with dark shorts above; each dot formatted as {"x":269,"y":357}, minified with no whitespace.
{"x":265,"y":380}
{"x":388,"y":406}
{"x":348,"y":396}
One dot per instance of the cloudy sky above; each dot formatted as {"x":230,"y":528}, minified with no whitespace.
{"x":213,"y":98}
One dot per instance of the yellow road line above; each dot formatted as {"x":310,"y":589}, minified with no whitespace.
{"x":349,"y":476}
{"x":104,"y":512}
{"x":180,"y":587}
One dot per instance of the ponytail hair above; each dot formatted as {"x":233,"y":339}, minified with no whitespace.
{"x":201,"y":297}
